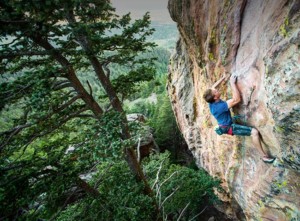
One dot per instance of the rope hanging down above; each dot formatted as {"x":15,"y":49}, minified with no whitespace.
{"x":243,"y":118}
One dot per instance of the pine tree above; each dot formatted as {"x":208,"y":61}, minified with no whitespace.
{"x":45,"y":47}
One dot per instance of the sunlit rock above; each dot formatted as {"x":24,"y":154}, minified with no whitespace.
{"x":259,"y":41}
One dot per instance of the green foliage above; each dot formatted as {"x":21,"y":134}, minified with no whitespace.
{"x":195,"y":188}
{"x":165,"y":35}
{"x":121,"y":197}
{"x":142,"y":84}
{"x":142,"y":102}
{"x":54,"y":57}
{"x":126,"y":84}
{"x":284,"y":28}
{"x":47,"y":170}
{"x":164,"y":122}
{"x":160,"y":115}
{"x":30,"y":174}
{"x":142,"y":106}
{"x":64,"y":67}
{"x":178,"y":186}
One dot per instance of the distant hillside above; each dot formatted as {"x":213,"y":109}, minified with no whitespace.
{"x":165,"y":35}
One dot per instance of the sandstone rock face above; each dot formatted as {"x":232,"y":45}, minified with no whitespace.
{"x":146,"y":143}
{"x":260,"y":42}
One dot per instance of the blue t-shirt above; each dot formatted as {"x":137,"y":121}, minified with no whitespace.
{"x":221,"y":112}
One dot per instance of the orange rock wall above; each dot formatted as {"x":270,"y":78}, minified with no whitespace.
{"x":260,"y":42}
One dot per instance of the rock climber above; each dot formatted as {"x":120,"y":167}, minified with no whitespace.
{"x":220,"y":110}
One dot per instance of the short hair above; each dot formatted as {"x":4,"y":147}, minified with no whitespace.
{"x":208,"y":96}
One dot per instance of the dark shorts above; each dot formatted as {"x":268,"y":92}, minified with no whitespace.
{"x":234,"y":129}
{"x":241,"y":130}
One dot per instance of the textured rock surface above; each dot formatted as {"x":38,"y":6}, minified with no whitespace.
{"x":260,"y":42}
{"x":146,"y":143}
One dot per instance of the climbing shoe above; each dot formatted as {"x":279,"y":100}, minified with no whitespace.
{"x":268,"y":159}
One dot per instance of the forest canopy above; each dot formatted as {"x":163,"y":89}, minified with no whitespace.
{"x":62,"y":114}
{"x":46,"y":46}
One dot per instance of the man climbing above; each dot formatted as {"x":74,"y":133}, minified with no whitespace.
{"x":220,"y":110}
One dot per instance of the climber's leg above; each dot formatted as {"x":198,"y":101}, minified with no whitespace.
{"x":256,"y":141}
{"x":249,"y":131}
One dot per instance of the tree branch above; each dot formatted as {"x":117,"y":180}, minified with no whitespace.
{"x":59,"y":83}
{"x":11,"y":22}
{"x":13,"y":93}
{"x":168,"y":197}
{"x":85,"y":116}
{"x":199,"y":214}
{"x":85,"y":44}
{"x":71,"y":76}
{"x":12,"y":167}
{"x":23,"y":53}
{"x":61,"y":123}
{"x":87,"y":188}
{"x":157,"y":175}
{"x":91,"y":90}
{"x":182,"y":212}
{"x":166,"y":180}
{"x":67,"y":104}
{"x":138,"y":150}
{"x":12,"y":133}
{"x":105,"y":67}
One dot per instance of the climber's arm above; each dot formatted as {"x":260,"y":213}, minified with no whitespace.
{"x":225,"y":77}
{"x":236,"y":97}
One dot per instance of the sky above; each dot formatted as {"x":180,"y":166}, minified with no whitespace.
{"x":157,"y":8}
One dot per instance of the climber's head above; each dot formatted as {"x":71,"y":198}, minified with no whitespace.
{"x":211,"y":95}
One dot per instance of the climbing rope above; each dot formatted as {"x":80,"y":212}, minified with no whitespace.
{"x":244,"y":121}
{"x":243,"y":118}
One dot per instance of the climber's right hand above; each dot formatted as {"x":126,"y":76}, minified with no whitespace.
{"x":233,"y":79}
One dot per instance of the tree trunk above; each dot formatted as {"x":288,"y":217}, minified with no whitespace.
{"x":71,"y":76}
{"x":87,"y":188}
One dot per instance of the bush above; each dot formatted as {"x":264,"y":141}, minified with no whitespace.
{"x":121,"y":197}
{"x":180,"y":189}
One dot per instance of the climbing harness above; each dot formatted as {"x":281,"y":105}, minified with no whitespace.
{"x":222,"y":129}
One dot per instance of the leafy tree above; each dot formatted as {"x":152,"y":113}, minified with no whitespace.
{"x":121,"y":197}
{"x":47,"y":49}
{"x":167,"y":134}
{"x":155,"y":84}
{"x":164,"y":122}
{"x":181,"y":193}
{"x":161,"y":119}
